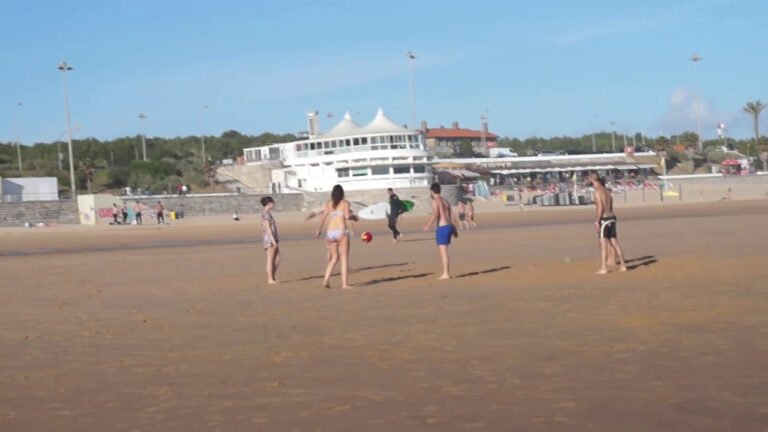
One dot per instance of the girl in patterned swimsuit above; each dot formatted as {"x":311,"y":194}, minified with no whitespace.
{"x":337,"y":213}
{"x":269,"y":239}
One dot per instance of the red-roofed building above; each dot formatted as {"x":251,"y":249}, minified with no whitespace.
{"x":458,"y":141}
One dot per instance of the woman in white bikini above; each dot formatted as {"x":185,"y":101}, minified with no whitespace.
{"x":337,"y":213}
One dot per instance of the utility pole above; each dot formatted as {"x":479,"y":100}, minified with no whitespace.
{"x":411,"y":92}
{"x":143,"y":116}
{"x":202,"y":136}
{"x":483,"y":128}
{"x":613,"y":137}
{"x":64,"y":67}
{"x":696,"y":59}
{"x":18,"y":136}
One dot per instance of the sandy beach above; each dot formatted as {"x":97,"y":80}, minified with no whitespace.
{"x":159,"y":328}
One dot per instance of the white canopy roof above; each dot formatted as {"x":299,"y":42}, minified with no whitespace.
{"x":345,"y":127}
{"x":381,"y":124}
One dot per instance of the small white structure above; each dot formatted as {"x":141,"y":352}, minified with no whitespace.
{"x":20,"y":189}
{"x":97,"y":209}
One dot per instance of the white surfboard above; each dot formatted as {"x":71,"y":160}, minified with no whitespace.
{"x":375,"y":211}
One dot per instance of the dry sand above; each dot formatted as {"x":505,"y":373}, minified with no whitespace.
{"x":173,"y":328}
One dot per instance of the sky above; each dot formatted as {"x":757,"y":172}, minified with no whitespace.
{"x":534,"y":68}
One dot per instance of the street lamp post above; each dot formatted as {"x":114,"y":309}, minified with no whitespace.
{"x":613,"y":137}
{"x":142,"y":117}
{"x":18,"y":136}
{"x":64,"y":67}
{"x":483,"y":128}
{"x":411,"y":94}
{"x":202,"y":136}
{"x":696,"y":59}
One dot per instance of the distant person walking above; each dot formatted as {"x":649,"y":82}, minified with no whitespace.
{"x":338,"y":214}
{"x":115,"y":214}
{"x":442,"y":215}
{"x":471,"y":214}
{"x":462,"y":214}
{"x":605,"y":225}
{"x":124,"y":211}
{"x":269,"y":239}
{"x":137,"y":213}
{"x":160,"y":209}
{"x":396,"y":208}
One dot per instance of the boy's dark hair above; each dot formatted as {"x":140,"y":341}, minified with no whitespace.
{"x":598,"y":177}
{"x":266,"y":200}
{"x":435,"y":188}
{"x":389,"y":190}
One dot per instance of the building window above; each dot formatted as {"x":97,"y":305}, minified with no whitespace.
{"x":380,"y":170}
{"x":364,"y":140}
{"x":419,"y":169}
{"x":342,"y":172}
{"x":359,"y":172}
{"x":356,"y":141}
{"x":347,"y":143}
{"x":401,"y":170}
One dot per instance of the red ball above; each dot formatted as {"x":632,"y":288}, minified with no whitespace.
{"x":366,"y":237}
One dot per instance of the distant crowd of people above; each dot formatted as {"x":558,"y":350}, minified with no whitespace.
{"x":121,"y":216}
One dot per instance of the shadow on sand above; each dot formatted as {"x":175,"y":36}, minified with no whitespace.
{"x":645,"y":261}
{"x":477,"y":273}
{"x":393,"y":279}
{"x":357,"y":270}
{"x":644,"y":258}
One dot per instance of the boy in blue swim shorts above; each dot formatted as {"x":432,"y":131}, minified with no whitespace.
{"x":441,"y":213}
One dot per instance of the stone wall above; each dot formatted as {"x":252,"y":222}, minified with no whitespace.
{"x":15,"y":214}
{"x":221,"y":204}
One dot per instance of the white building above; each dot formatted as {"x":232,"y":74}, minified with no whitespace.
{"x":378,"y":155}
{"x":29,"y":189}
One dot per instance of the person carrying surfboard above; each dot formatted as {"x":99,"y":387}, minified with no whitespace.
{"x":396,"y":208}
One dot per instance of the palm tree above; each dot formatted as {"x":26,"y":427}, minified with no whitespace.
{"x":754,"y":109}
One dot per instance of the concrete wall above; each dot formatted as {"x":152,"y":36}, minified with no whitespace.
{"x":210,"y":205}
{"x":720,"y":180}
{"x":362,"y":199}
{"x":15,"y":214}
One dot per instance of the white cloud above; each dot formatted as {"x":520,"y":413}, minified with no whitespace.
{"x":596,"y":32}
{"x":683,"y":108}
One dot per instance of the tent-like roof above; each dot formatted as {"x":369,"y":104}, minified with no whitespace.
{"x":345,"y":127}
{"x":381,"y":124}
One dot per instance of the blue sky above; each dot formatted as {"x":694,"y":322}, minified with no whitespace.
{"x":538,"y":67}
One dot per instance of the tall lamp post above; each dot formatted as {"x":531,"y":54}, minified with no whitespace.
{"x":65,"y":67}
{"x":696,"y":59}
{"x":613,"y":137}
{"x":411,"y":95}
{"x":18,"y":136}
{"x":483,"y":129}
{"x":142,"y":117}
{"x":202,"y":137}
